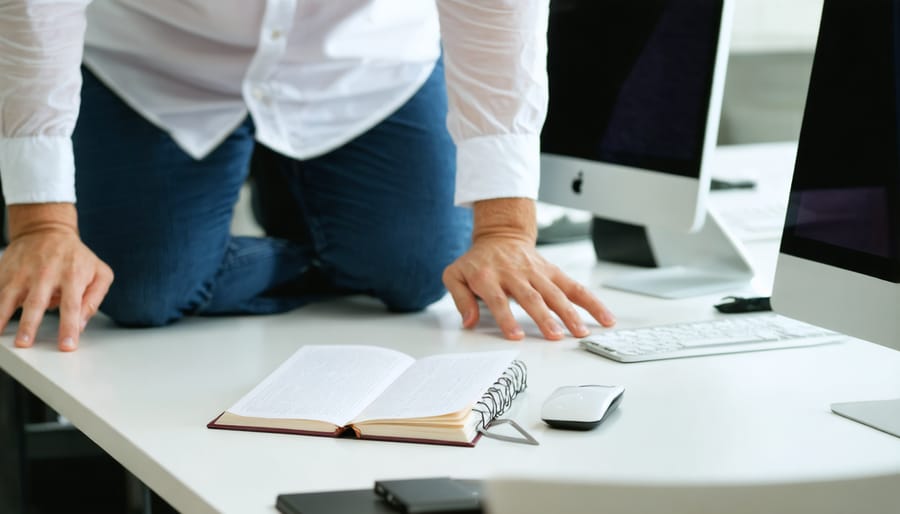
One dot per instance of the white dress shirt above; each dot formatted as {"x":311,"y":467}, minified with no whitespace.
{"x":313,"y":74}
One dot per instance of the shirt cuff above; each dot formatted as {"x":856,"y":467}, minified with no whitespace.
{"x":37,"y":169}
{"x":503,"y":166}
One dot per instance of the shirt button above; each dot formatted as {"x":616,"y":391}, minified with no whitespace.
{"x":275,"y":35}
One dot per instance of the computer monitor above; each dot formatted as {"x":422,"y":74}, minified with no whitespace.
{"x":635,"y":97}
{"x":839,"y":265}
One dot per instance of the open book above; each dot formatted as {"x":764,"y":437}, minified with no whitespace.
{"x":381,"y":393}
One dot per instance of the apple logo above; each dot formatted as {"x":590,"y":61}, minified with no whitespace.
{"x":576,"y":184}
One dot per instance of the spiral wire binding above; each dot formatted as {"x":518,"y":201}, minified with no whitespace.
{"x":497,"y":400}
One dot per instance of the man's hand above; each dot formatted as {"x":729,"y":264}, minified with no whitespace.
{"x":503,"y":264}
{"x":47,"y":266}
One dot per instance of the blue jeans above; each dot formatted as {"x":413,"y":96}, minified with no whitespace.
{"x":375,"y":216}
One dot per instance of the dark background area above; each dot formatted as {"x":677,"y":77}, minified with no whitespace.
{"x":48,"y":467}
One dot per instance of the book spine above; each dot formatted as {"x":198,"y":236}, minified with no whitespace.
{"x":498,"y":398}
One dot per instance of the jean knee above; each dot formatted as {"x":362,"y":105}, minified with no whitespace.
{"x":416,"y":281}
{"x":141,"y":305}
{"x":415,"y":291}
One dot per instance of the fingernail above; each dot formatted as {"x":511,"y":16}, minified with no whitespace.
{"x":83,"y":324}
{"x":555,"y":329}
{"x":517,"y":333}
{"x":23,"y":340}
{"x":67,"y":344}
{"x":467,"y":317}
{"x":581,"y":328}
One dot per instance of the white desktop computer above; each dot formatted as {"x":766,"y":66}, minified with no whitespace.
{"x":839,"y":265}
{"x":635,"y":97}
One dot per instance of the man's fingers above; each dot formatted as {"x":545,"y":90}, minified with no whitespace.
{"x":535,"y":305}
{"x":47,"y":266}
{"x":69,"y":318}
{"x":557,"y":302}
{"x":498,"y":303}
{"x":33,"y":309}
{"x":94,"y":295}
{"x":499,"y":267}
{"x":465,"y":300}
{"x":9,"y":302}
{"x":581,"y":296}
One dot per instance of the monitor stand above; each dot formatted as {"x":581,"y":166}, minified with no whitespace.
{"x":881,"y":415}
{"x":704,"y":262}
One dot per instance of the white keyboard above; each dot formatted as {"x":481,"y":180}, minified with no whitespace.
{"x":733,"y":334}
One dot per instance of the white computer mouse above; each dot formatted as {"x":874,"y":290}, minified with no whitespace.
{"x":580,"y":407}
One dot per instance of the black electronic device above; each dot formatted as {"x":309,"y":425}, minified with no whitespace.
{"x":358,"y":501}
{"x":431,"y":495}
{"x":738,"y":305}
{"x":839,"y":264}
{"x":628,"y":138}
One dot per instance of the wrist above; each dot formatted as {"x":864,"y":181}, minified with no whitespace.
{"x":30,"y":218}
{"x":505,"y":217}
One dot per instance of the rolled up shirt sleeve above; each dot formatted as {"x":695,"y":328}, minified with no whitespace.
{"x":41,"y":47}
{"x":495,"y":57}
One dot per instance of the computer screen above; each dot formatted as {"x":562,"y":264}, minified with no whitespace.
{"x":844,"y":206}
{"x":635,"y":97}
{"x":630,"y":81}
{"x":635,"y":93}
{"x":839,"y":265}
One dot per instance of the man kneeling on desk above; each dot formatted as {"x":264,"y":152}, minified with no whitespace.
{"x":363,"y":188}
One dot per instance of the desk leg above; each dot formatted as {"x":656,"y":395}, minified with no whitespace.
{"x":140,"y":498}
{"x":147,"y":499}
{"x":12,"y":448}
{"x":29,"y":432}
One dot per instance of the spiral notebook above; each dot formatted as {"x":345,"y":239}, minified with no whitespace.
{"x":380,"y":393}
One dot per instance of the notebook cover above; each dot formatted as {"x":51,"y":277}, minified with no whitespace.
{"x":423,"y":441}
{"x":336,"y":433}
{"x":243,"y":428}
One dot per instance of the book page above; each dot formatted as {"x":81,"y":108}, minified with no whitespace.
{"x":439,"y":384}
{"x":324,"y":383}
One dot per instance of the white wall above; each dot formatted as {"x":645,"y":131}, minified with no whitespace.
{"x":775,"y":25}
{"x":768,"y":73}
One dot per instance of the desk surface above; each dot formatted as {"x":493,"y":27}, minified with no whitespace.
{"x":145,"y":396}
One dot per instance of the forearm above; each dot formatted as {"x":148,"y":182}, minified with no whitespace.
{"x":30,"y":218}
{"x":505,"y":217}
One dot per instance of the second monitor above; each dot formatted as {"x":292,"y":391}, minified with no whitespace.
{"x":635,"y":97}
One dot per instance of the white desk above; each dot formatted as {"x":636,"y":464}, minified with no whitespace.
{"x":145,"y":396}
